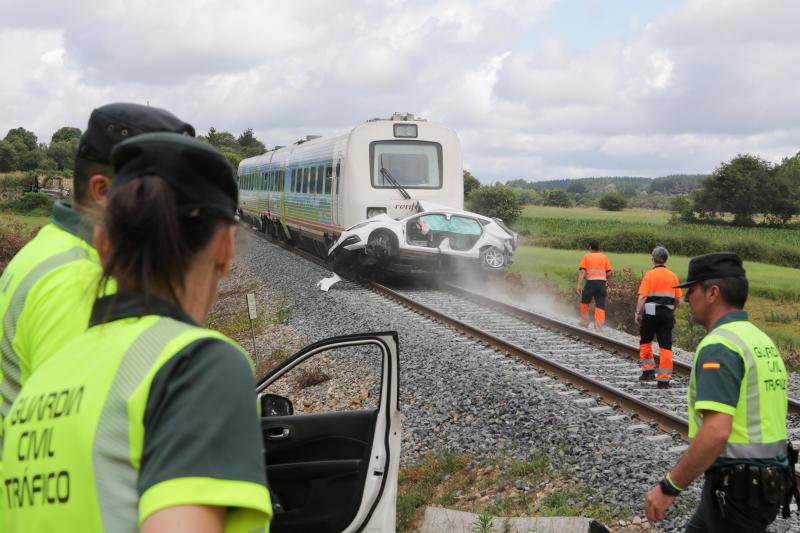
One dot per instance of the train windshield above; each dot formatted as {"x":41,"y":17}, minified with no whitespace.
{"x":410,"y":164}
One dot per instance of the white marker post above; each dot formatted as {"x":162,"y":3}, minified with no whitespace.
{"x":251,"y":311}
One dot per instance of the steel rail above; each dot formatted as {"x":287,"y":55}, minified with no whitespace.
{"x":630,"y":350}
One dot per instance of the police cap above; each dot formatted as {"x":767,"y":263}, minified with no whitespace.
{"x":201,"y":177}
{"x":113,"y":123}
{"x":713,"y":266}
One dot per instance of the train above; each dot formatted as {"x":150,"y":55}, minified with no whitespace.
{"x":314,"y":191}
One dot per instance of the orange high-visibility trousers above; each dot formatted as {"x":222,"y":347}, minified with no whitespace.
{"x":658,"y":326}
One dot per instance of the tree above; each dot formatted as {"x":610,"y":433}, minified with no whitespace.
{"x":66,"y":134}
{"x":470,"y":183}
{"x":27,"y":138}
{"x":63,"y":153}
{"x":498,"y":201}
{"x":612,"y":201}
{"x":735,"y":187}
{"x":557,"y":198}
{"x":577,"y":187}
{"x":783,"y":191}
{"x":249,"y":144}
{"x":8,"y":157}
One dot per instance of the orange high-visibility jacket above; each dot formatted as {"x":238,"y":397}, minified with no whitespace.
{"x":596,"y":265}
{"x":657,"y":286}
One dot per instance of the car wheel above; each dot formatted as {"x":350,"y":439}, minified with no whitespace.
{"x":493,"y":259}
{"x":382,"y":244}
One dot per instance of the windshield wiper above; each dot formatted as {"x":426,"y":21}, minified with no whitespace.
{"x":388,"y":177}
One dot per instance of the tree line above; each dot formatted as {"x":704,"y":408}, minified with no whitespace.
{"x":20,"y":149}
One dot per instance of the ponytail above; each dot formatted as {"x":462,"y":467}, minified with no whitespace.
{"x":151,"y":247}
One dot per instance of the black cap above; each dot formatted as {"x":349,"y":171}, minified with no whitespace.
{"x":713,"y":266}
{"x":200,"y":175}
{"x":113,"y":123}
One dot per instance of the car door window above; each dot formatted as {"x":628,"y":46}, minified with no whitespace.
{"x":332,"y":463}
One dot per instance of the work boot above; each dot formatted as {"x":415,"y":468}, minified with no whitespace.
{"x":664,"y":385}
{"x":648,"y":375}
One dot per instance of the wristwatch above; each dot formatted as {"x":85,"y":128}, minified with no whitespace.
{"x":669,"y":488}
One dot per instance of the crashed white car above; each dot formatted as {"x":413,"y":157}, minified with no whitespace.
{"x":437,"y":239}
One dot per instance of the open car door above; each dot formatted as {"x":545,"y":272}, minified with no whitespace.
{"x":331,"y":428}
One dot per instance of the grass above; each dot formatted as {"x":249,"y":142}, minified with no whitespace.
{"x":594,"y":213}
{"x":32,"y":221}
{"x":638,"y":230}
{"x":503,"y":486}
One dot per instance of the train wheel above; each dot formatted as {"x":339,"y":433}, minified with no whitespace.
{"x":493,"y":259}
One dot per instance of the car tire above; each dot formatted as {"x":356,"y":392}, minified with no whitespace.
{"x":382,"y":244}
{"x":493,"y":259}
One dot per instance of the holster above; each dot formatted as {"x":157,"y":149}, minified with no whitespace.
{"x":755,"y":486}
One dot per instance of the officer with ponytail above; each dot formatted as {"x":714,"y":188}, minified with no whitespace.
{"x":147,"y":421}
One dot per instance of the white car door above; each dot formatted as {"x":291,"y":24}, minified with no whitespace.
{"x":331,"y":427}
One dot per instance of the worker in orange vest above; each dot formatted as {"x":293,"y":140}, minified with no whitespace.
{"x":595,"y":268}
{"x":655,"y":315}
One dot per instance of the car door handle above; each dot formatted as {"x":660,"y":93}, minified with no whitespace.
{"x":277,"y":433}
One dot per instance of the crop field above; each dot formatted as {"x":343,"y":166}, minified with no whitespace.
{"x":769,"y":281}
{"x":639,"y":230}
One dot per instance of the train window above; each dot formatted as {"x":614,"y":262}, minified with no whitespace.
{"x":321,"y":178}
{"x":411,"y":164}
{"x":306,"y":174}
{"x":312,"y":183}
{"x":293,"y":183}
{"x":280,"y":179}
{"x":329,"y":171}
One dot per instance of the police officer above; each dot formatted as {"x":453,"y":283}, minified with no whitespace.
{"x":48,"y":288}
{"x":146,"y":420}
{"x":655,"y":315}
{"x":737,"y":410}
{"x":595,"y":268}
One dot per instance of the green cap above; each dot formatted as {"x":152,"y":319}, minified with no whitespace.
{"x":113,"y":123}
{"x":713,"y":266}
{"x":201,"y":177}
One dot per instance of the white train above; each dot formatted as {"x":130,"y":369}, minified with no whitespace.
{"x":389,"y":193}
{"x":312,"y":190}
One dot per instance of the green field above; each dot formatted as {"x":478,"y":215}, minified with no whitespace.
{"x":638,"y":230}
{"x":770,"y":281}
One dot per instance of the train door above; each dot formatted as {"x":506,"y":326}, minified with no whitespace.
{"x":336,"y":188}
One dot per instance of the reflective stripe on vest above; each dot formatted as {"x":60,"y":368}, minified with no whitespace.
{"x":753,"y":443}
{"x":115,"y":477}
{"x":11,"y":379}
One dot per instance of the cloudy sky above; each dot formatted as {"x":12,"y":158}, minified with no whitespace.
{"x":536,"y":89}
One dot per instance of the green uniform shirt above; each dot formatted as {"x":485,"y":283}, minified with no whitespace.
{"x":719,"y":383}
{"x":142,"y":412}
{"x":46,"y":296}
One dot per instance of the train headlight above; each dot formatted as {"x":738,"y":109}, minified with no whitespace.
{"x":375,"y":211}
{"x":408,"y":131}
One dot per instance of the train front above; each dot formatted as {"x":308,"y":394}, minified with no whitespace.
{"x":402,"y":200}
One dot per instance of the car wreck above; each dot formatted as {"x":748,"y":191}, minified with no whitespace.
{"x":434,"y":239}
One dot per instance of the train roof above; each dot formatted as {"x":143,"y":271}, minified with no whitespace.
{"x":279,"y":154}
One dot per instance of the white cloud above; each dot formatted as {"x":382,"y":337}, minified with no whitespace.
{"x":682,"y":92}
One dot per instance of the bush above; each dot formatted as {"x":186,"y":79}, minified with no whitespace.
{"x":13,"y":236}
{"x":612,"y":201}
{"x":621,"y":300}
{"x":31,"y":203}
{"x":557,"y":198}
{"x":498,"y":202}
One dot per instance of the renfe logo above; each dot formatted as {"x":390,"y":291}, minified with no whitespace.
{"x":403,"y":208}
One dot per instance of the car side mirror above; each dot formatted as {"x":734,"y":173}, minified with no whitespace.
{"x":274,"y":405}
